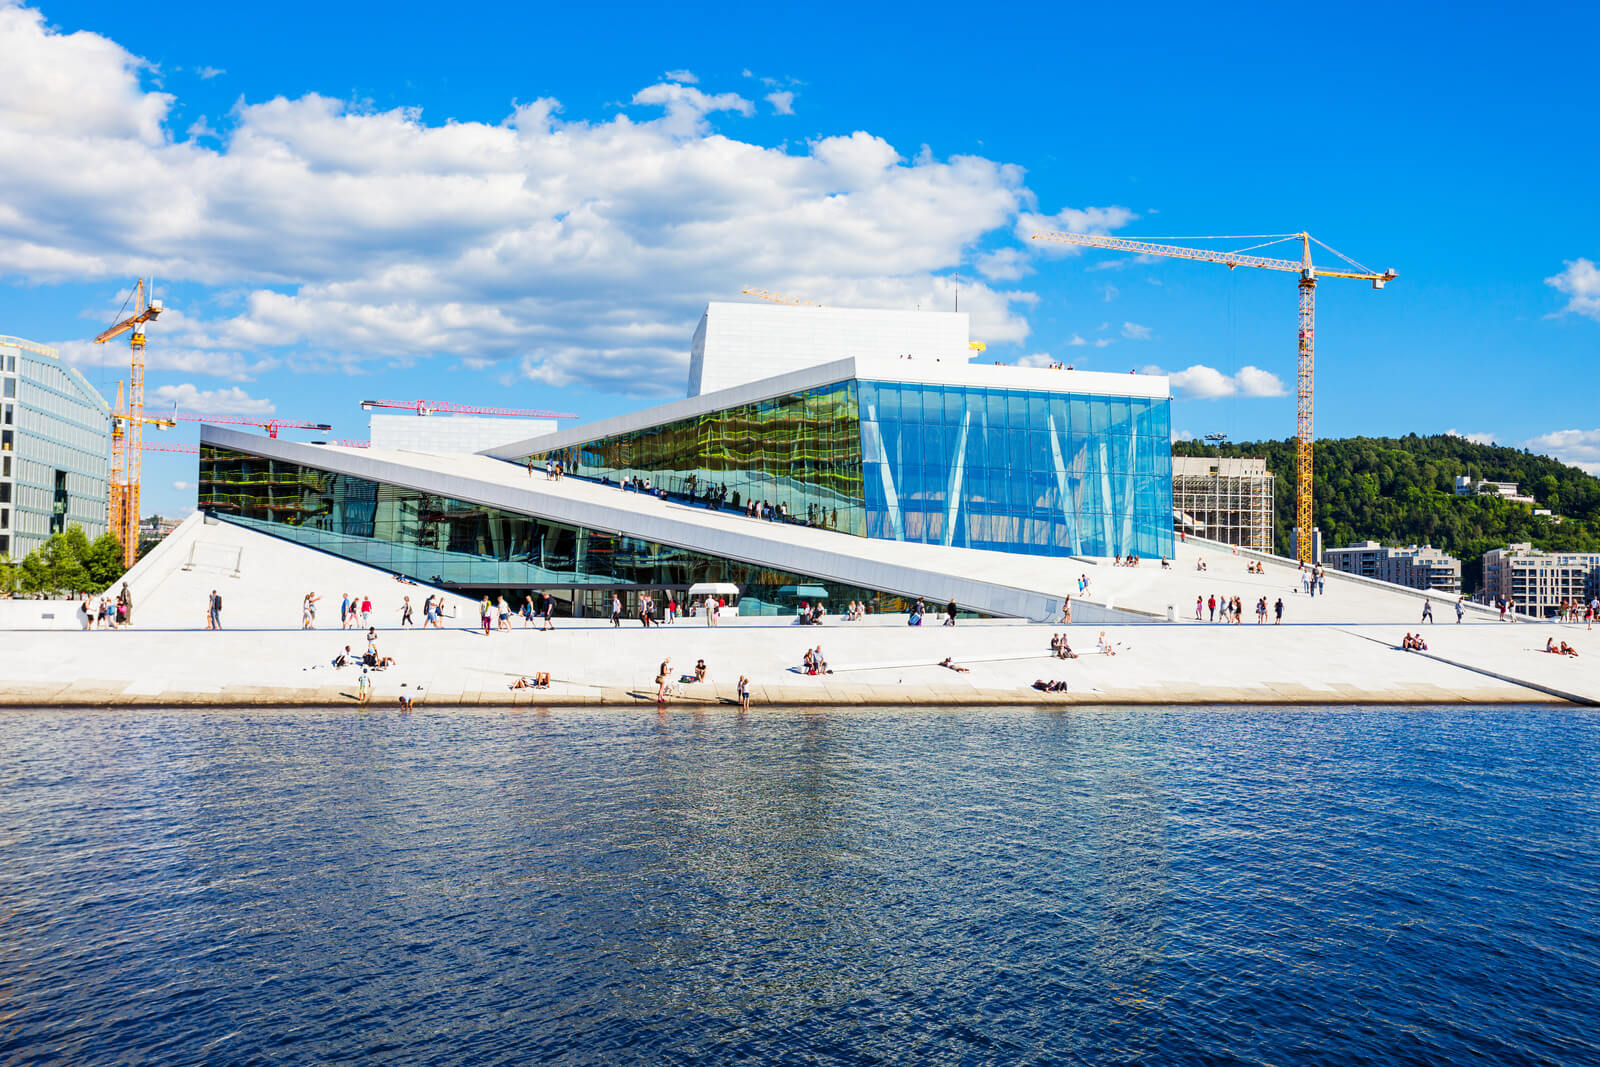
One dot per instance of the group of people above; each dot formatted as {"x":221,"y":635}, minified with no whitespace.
{"x":1130,"y":560}
{"x":1563,"y":649}
{"x":1060,"y":649}
{"x":371,"y":659}
{"x":809,"y":614}
{"x":1575,"y":610}
{"x":1413,"y":643}
{"x":1312,"y":579}
{"x":1232,"y":610}
{"x":856,"y":610}
{"x":813,"y":662}
{"x":1049,"y":687}
{"x":108,"y":613}
{"x":537,"y":680}
{"x":355,"y":611}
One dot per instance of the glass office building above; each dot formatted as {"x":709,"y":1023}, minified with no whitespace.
{"x":474,"y":548}
{"x":55,"y":435}
{"x":971,"y":466}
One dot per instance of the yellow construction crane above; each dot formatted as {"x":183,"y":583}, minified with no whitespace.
{"x":1308,"y":305}
{"x":778,"y":298}
{"x":127,"y":428}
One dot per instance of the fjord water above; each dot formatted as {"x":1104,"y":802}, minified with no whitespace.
{"x":1315,"y":885}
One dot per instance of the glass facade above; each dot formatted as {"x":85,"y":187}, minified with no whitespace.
{"x":802,"y":451}
{"x":55,"y":434}
{"x":468,"y":546}
{"x":1011,"y":470}
{"x":1017,"y":470}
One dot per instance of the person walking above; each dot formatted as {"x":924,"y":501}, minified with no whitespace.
{"x":366,"y":610}
{"x":1460,"y":611}
{"x":547,"y":605}
{"x":1427,"y":611}
{"x":1278,"y":612}
{"x":405,"y":613}
{"x":214,"y":611}
{"x":125,"y":606}
{"x":344,"y":611}
{"x":1066,"y":608}
{"x":1211,"y":605}
{"x":485,"y":610}
{"x":616,"y":611}
{"x":950,"y":613}
{"x":503,"y":611}
{"x":308,"y":611}
{"x":661,"y":680}
{"x":364,"y":687}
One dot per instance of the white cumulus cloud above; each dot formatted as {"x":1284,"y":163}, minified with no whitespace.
{"x":1475,"y":438}
{"x":1580,"y":448}
{"x":1580,"y":281}
{"x":187,"y":397}
{"x":685,"y":76}
{"x":1134,"y":332}
{"x":1073,"y":220}
{"x":782,"y":102}
{"x":1201,"y":382}
{"x":333,"y":237}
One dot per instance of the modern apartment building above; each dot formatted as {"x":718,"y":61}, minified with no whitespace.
{"x":1539,"y":581}
{"x":1227,"y":500}
{"x":55,"y":435}
{"x":1416,"y":566}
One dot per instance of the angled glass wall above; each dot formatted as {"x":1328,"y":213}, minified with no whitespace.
{"x":1017,"y":470}
{"x":457,"y":543}
{"x":1011,"y":470}
{"x":801,"y":451}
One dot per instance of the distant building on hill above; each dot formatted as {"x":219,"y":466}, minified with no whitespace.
{"x":1227,"y":500}
{"x":1504,"y":490}
{"x":1419,"y":567}
{"x":1539,"y":581}
{"x":55,"y":435}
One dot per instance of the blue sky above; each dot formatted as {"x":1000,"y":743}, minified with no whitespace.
{"x":530,"y":207}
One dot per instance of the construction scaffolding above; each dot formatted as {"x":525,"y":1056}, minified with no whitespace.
{"x":1227,"y":500}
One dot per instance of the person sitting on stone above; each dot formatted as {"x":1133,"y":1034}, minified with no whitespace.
{"x":700,"y":670}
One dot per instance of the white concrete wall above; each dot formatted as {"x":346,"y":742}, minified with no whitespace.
{"x":452,"y":433}
{"x":737,"y":343}
{"x":41,"y":614}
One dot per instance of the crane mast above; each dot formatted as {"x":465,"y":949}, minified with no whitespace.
{"x":1309,"y":273}
{"x":127,"y":446}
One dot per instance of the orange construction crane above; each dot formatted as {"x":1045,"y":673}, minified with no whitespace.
{"x":190,"y":449}
{"x":437,"y":407}
{"x":272,"y":426}
{"x":1308,"y":306}
{"x":127,"y":446}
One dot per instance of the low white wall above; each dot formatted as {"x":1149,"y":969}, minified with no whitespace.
{"x":41,"y":614}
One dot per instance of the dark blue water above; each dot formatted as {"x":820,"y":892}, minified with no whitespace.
{"x":1123,"y":886}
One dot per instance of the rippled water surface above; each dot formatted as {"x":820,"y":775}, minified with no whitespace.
{"x":1141,"y":886}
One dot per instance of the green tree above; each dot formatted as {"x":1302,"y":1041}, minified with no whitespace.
{"x":104,"y":560}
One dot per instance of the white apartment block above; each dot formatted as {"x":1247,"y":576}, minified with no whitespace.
{"x":1539,"y":581}
{"x":1414,"y":566}
{"x":1505,"y":490}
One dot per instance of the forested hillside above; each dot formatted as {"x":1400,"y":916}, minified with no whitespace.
{"x":1401,"y":490}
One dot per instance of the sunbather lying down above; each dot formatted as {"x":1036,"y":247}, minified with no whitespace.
{"x":540,"y":680}
{"x":1050,"y":687}
{"x":948,"y":661}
